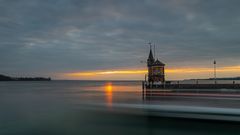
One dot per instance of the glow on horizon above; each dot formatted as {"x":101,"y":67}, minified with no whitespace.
{"x":171,"y":72}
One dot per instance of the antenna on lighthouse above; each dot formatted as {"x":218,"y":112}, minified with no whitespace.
{"x":150,"y":44}
{"x":154,"y":51}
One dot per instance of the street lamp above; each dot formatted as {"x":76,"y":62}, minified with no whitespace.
{"x":215,"y":71}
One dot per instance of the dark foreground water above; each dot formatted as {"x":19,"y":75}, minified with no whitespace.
{"x":109,"y":108}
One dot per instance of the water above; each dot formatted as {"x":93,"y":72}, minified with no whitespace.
{"x":98,"y":107}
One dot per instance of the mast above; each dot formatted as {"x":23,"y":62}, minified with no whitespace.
{"x":150,"y":45}
{"x":154,"y":52}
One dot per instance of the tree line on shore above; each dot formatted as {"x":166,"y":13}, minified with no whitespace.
{"x":8,"y":78}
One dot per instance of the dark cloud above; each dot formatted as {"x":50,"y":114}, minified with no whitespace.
{"x":44,"y":37}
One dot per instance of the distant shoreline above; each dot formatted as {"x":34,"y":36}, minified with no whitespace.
{"x":8,"y":78}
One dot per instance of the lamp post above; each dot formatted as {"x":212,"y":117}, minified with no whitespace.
{"x":215,"y":71}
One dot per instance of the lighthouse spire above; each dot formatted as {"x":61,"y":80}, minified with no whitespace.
{"x":150,"y":59}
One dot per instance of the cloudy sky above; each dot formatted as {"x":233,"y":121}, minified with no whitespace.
{"x":107,"y":39}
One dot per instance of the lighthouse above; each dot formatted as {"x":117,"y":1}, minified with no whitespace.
{"x":156,"y":69}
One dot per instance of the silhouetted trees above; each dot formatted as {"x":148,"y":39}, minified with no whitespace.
{"x":7,"y":78}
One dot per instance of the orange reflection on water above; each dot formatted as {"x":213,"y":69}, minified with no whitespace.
{"x":109,"y":93}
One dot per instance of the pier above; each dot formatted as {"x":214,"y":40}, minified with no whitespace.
{"x":151,"y":91}
{"x":193,"y":86}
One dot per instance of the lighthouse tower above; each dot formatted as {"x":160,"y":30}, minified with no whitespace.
{"x":156,"y":69}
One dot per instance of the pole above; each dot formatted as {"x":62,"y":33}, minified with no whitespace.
{"x":143,"y":90}
{"x":154,"y":52}
{"x":150,"y":44}
{"x":215,"y":71}
{"x":145,"y":77}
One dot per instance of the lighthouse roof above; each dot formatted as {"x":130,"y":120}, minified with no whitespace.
{"x":158,"y":63}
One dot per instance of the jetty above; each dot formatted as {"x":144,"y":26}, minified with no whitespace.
{"x":193,"y":86}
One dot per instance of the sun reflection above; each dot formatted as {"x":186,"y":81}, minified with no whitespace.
{"x":108,"y":91}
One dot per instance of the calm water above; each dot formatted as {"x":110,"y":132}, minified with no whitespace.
{"x":93,"y":108}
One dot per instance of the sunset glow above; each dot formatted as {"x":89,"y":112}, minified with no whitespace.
{"x":178,"y":73}
{"x":107,"y":72}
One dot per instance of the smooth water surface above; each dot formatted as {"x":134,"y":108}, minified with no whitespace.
{"x":93,"y":108}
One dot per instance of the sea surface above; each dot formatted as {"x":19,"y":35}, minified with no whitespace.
{"x":109,"y":108}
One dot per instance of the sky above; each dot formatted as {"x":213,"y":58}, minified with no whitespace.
{"x":107,"y":39}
